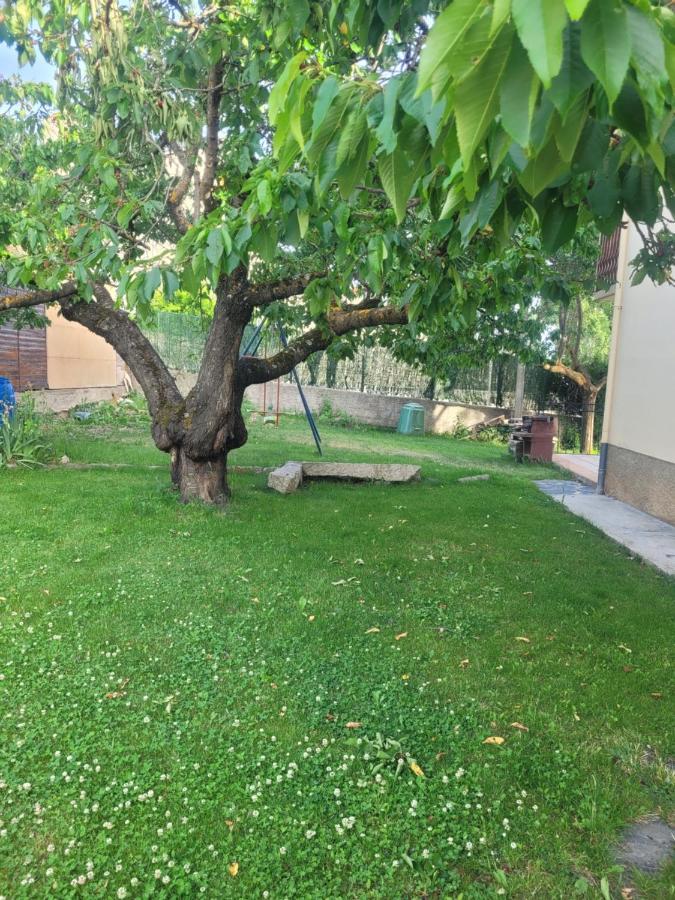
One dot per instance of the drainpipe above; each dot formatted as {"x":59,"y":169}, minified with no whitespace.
{"x":621,"y":274}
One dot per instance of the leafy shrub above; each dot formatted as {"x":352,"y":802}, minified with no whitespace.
{"x":332,"y":416}
{"x":460,"y":432}
{"x":20,"y":438}
{"x":493,"y":434}
{"x":127,"y":411}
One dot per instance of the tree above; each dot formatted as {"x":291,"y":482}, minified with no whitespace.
{"x":336,"y":158}
{"x":582,"y":350}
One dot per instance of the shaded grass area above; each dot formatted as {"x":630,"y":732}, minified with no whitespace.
{"x":178,"y":684}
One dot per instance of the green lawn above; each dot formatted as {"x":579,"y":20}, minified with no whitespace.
{"x":177,"y":683}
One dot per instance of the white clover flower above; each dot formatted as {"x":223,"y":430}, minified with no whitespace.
{"x":468,"y":845}
{"x":121,"y":892}
{"x":426,"y":853}
{"x":513,"y":845}
{"x":309,"y":834}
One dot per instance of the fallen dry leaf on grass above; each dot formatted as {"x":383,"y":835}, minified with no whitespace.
{"x":464,"y":663}
{"x":416,"y":770}
{"x":519,"y":726}
{"x":401,"y":635}
{"x":524,"y":639}
{"x":311,"y":618}
{"x":494,"y":740}
{"x":233,"y":869}
{"x":352,"y":724}
{"x":657,"y":695}
{"x":229,"y":823}
{"x":373,"y":630}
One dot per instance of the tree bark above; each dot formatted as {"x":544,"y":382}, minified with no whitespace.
{"x":204,"y":480}
{"x":588,"y":420}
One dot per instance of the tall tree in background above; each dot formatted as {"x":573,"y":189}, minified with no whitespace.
{"x":342,"y":157}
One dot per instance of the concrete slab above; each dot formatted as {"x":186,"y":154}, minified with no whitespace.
{"x":642,"y":534}
{"x":391,"y":472}
{"x":582,"y":465}
{"x":286,"y":478}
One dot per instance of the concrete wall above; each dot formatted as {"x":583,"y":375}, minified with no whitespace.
{"x":373,"y":409}
{"x":78,"y":358}
{"x":61,"y":400}
{"x":639,"y":421}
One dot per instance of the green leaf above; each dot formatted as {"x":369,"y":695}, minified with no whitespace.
{"x":324,"y":97}
{"x":647,"y":53}
{"x":214,"y":246}
{"x":574,"y":76}
{"x":125,"y":214}
{"x":330,"y":123}
{"x":518,"y":95}
{"x":446,"y":35}
{"x":170,"y":283}
{"x":500,"y":13}
{"x":151,"y":283}
{"x":558,"y":226}
{"x":630,"y":113}
{"x":477,"y":97}
{"x":352,"y":133}
{"x":606,"y":45}
{"x":541,"y":171}
{"x":264,"y":194}
{"x":385,"y":130}
{"x":303,"y":221}
{"x":640,"y":193}
{"x":398,"y":175}
{"x":591,"y":148}
{"x":481,"y":210}
{"x":576,"y":8}
{"x":279,"y":93}
{"x":540,"y":25}
{"x":568,"y":133}
{"x":605,"y":195}
{"x":352,"y":172}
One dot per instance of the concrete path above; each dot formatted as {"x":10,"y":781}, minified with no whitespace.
{"x":644,"y":535}
{"x":582,"y":465}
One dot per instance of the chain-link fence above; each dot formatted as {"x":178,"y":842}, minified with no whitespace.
{"x":180,"y":338}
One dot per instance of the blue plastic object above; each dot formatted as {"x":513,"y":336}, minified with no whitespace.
{"x":7,"y":399}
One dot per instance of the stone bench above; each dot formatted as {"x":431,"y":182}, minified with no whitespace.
{"x":289,"y":477}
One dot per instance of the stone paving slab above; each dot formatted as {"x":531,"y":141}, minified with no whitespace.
{"x":646,"y":845}
{"x":390,"y":472}
{"x":642,"y":534}
{"x":582,"y":465}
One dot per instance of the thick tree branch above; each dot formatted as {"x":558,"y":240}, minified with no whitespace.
{"x":20,"y":298}
{"x":561,"y":369}
{"x":264,"y":294}
{"x":116,"y":327}
{"x":213,"y":97}
{"x":179,"y":190}
{"x":339,"y":322}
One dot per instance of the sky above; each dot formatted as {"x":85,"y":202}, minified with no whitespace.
{"x":9,"y":65}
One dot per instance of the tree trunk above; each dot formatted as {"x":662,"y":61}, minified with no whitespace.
{"x":588,"y":421}
{"x":204,"y":480}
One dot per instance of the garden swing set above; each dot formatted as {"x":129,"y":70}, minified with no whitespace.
{"x":251,"y":348}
